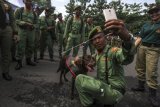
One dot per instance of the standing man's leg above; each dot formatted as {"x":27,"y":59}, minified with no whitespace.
{"x":21,"y":47}
{"x":85,"y":46}
{"x":60,"y":45}
{"x":76,"y":45}
{"x":43,"y":43}
{"x":152,"y":58}
{"x":36,"y":45}
{"x":13,"y":50}
{"x":5,"y":44}
{"x":30,"y":48}
{"x":141,"y":69}
{"x":50,"y":47}
{"x":69,"y":46}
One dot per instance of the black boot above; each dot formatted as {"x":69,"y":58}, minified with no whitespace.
{"x":152,"y":97}
{"x":35,"y":59}
{"x":6,"y":76}
{"x":19,"y":65}
{"x":29,"y":62}
{"x":140,"y":87}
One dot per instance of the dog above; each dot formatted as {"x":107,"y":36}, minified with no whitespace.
{"x":84,"y":64}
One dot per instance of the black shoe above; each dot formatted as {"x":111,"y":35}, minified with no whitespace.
{"x":152,"y":97}
{"x":140,"y":87}
{"x":6,"y":76}
{"x":19,"y":65}
{"x":29,"y":62}
{"x":14,"y":59}
{"x":35,"y":60}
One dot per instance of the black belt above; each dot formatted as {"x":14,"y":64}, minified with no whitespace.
{"x":150,"y":44}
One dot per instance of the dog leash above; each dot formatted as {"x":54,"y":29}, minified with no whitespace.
{"x":69,"y":67}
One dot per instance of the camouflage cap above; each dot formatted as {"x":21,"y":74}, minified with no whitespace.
{"x":153,"y":7}
{"x":95,"y":31}
{"x":77,"y":7}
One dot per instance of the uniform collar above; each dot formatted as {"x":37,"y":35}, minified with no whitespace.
{"x":105,"y":49}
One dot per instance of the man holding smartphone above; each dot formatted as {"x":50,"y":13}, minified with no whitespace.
{"x":108,"y":87}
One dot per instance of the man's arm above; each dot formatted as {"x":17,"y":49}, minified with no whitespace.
{"x":18,"y":16}
{"x":12,"y":20}
{"x":125,"y":55}
{"x":67,"y":28}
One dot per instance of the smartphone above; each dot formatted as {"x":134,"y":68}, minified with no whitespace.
{"x":109,"y":14}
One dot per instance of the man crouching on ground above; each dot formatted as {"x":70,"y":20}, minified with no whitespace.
{"x":108,"y":87}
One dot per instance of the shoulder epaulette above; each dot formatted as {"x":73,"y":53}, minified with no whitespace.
{"x":114,"y":49}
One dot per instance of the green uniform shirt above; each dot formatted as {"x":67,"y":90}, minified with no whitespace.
{"x":23,"y":16}
{"x":150,"y":33}
{"x":116,"y":57}
{"x":88,"y":28}
{"x":45,"y":22}
{"x":74,"y":27}
{"x":60,"y":27}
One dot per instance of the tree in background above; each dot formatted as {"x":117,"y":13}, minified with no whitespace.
{"x":42,"y":4}
{"x":134,"y":14}
{"x":95,"y":10}
{"x":70,"y":8}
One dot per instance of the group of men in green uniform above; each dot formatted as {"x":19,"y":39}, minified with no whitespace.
{"x":108,"y":87}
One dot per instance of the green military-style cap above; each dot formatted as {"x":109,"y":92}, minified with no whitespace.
{"x":95,"y":31}
{"x":153,"y":8}
{"x":77,"y":7}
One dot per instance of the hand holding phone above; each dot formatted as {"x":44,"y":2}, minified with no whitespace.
{"x":109,"y":14}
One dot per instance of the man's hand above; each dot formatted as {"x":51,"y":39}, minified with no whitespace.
{"x":76,"y":60}
{"x":30,"y":25}
{"x":16,"y":38}
{"x":137,"y":41}
{"x":121,"y":30}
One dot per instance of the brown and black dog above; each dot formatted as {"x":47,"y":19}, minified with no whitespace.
{"x":84,"y":64}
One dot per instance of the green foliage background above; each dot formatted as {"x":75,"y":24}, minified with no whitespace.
{"x":134,"y":14}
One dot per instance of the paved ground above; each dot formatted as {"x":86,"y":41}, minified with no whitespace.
{"x":38,"y":87}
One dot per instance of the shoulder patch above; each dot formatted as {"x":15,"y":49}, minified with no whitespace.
{"x":114,"y":49}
